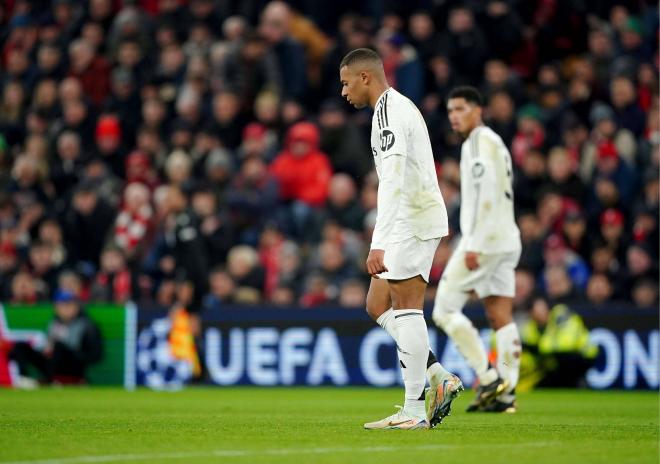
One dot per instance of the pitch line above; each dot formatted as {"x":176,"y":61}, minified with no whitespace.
{"x":263,"y":452}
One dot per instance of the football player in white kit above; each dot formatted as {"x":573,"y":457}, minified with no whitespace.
{"x":487,"y":254}
{"x":410,"y":222}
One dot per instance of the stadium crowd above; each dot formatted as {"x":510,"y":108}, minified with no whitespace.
{"x":197,"y":152}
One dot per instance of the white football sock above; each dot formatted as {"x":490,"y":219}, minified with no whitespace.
{"x":508,"y":353}
{"x":467,"y":341}
{"x":386,"y":321}
{"x":434,"y":368}
{"x":413,"y":348}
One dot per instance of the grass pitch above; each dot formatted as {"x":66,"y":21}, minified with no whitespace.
{"x":320,"y":425}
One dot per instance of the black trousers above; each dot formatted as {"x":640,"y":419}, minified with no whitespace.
{"x":62,"y":363}
{"x":570,"y":371}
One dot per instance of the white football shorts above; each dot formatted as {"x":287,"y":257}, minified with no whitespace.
{"x":409,"y":258}
{"x":495,"y":276}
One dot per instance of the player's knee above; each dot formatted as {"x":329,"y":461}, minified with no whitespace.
{"x":375,"y":309}
{"x":450,"y":321}
{"x":439,"y":316}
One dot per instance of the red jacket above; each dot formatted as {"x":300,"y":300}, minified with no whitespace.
{"x":304,"y":177}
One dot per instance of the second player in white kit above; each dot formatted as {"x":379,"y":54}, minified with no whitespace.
{"x":485,"y":259}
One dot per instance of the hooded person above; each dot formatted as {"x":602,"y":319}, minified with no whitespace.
{"x":302,"y":170}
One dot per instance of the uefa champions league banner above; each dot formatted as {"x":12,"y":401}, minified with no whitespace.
{"x":332,"y":346}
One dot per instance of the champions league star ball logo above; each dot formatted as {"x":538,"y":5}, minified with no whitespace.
{"x":157,"y":367}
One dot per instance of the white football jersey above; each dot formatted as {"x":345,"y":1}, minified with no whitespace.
{"x":488,"y":223}
{"x":409,"y":200}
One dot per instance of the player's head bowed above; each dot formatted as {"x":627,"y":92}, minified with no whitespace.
{"x":362,"y":76}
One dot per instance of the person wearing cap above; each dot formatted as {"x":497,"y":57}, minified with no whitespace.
{"x":612,"y":232}
{"x":530,"y":135}
{"x":109,"y":137}
{"x":605,"y":129}
{"x":257,"y":142}
{"x":611,"y":167}
{"x":73,"y":343}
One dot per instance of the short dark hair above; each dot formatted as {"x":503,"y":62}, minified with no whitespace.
{"x":360,"y":55}
{"x":470,"y":94}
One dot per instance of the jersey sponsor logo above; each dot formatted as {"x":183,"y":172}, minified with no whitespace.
{"x":386,"y":140}
{"x":478,"y":170}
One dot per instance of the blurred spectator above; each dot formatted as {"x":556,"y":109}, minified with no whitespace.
{"x":606,"y":130}
{"x":645,"y":294}
{"x":134,"y":221}
{"x":113,"y":282}
{"x":258,"y":142}
{"x":562,"y":177}
{"x":252,"y":199}
{"x":275,"y":28}
{"x":599,"y":289}
{"x":24,"y":289}
{"x":91,"y":69}
{"x":74,"y":343}
{"x":556,"y":253}
{"x":109,"y":143}
{"x":501,"y":117}
{"x":464,"y":44}
{"x":639,"y":266}
{"x":612,"y":231}
{"x":628,"y":113}
{"x":86,"y":225}
{"x":42,"y":268}
{"x":343,"y":142}
{"x":215,"y":227}
{"x":184,"y":240}
{"x":315,"y":292}
{"x":352,"y":294}
{"x":530,"y":134}
{"x":221,"y":289}
{"x":574,"y":233}
{"x":558,"y":285}
{"x":343,"y":207}
{"x":403,"y":68}
{"x":244,"y":268}
{"x":249,"y":68}
{"x":303,"y":173}
{"x":66,"y":169}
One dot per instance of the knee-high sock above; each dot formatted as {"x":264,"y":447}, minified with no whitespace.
{"x":413,"y":349}
{"x":508,"y":353}
{"x":465,"y":336}
{"x":387,"y":322}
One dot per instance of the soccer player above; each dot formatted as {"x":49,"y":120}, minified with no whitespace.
{"x":485,"y":258}
{"x":410,"y":222}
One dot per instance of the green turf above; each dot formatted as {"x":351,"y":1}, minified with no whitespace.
{"x":319,"y":425}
